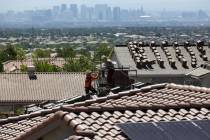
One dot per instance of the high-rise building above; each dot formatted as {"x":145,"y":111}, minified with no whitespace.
{"x":142,"y":11}
{"x":83,"y":12}
{"x":101,"y":11}
{"x":63,"y":7}
{"x":109,"y":13}
{"x":74,"y":10}
{"x":189,"y":15}
{"x":125,"y":15}
{"x":90,"y":13}
{"x":55,"y":10}
{"x":116,"y":13}
{"x":202,"y":14}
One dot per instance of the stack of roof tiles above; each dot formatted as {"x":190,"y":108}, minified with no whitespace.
{"x":140,"y":57}
{"x":97,"y":119}
{"x":163,"y":58}
{"x":18,"y":88}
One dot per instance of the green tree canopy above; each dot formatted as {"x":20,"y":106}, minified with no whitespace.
{"x":66,"y":52}
{"x":8,"y":53}
{"x":72,"y":65}
{"x":82,"y":64}
{"x":85,"y":53}
{"x":103,"y":49}
{"x":1,"y":67}
{"x":41,"y":53}
{"x":11,"y":52}
{"x":44,"y":66}
{"x":23,"y":68}
{"x":21,"y":55}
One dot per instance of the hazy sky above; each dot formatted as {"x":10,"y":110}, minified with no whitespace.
{"x":20,"y":5}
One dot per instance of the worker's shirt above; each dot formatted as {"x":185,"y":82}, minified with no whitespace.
{"x":88,"y":81}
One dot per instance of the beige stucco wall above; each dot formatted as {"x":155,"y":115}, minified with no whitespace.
{"x":59,"y":133}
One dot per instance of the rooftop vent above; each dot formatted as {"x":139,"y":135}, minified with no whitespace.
{"x":186,"y":44}
{"x":152,"y":44}
{"x":193,"y":64}
{"x":173,"y":64}
{"x":176,"y":44}
{"x":200,"y":43}
{"x":141,"y":44}
{"x":31,"y":73}
{"x":164,"y":43}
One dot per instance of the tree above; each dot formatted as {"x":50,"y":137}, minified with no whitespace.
{"x":72,"y":65}
{"x":20,"y":54}
{"x":85,"y":53}
{"x":66,"y":52}
{"x":1,"y":67}
{"x":41,"y":53}
{"x":103,"y":49}
{"x":86,"y":64}
{"x":82,"y":64}
{"x":44,"y":66}
{"x":7,"y":53}
{"x":11,"y":52}
{"x":23,"y":68}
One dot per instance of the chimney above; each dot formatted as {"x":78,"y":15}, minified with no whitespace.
{"x":31,"y":73}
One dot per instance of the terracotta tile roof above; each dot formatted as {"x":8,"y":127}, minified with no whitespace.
{"x":97,"y":119}
{"x":18,"y":88}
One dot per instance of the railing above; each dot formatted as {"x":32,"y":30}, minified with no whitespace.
{"x":128,"y":68}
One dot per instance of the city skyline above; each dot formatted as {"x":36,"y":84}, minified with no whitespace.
{"x":157,"y":5}
{"x":101,"y":15}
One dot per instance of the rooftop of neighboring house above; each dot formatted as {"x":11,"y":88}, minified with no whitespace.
{"x":151,"y":58}
{"x":15,"y":65}
{"x":18,"y":88}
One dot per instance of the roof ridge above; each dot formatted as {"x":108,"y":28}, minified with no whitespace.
{"x":69,"y":121}
{"x":135,"y":107}
{"x":31,"y":115}
{"x":85,"y":106}
{"x":118,"y":95}
{"x":189,"y":87}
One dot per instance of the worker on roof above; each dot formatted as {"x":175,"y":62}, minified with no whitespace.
{"x":88,"y":83}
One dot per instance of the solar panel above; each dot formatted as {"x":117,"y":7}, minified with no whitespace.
{"x":182,"y":130}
